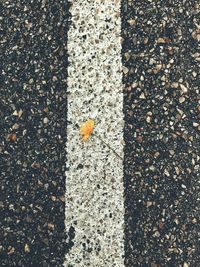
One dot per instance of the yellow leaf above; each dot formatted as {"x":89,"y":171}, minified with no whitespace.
{"x":86,"y":129}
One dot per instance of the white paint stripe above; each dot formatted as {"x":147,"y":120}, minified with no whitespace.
{"x":94,"y":197}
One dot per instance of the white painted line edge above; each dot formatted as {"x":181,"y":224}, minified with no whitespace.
{"x":94,"y":180}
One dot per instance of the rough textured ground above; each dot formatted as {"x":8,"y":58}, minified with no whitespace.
{"x":33,"y":132}
{"x":161,"y":57}
{"x":162,"y":111}
{"x":94,"y":191}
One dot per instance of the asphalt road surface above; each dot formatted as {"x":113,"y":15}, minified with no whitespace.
{"x":133,"y":67}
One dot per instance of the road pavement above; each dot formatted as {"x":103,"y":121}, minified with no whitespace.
{"x":133,"y":67}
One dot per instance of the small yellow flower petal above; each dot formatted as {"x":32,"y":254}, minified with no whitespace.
{"x":85,"y":137}
{"x":86,"y":129}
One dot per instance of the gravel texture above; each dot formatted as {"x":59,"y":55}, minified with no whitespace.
{"x":161,"y":60}
{"x":161,"y":57}
{"x":33,"y":124}
{"x":94,"y":196}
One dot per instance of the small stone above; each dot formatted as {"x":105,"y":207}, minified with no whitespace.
{"x":40,"y":183}
{"x":196,"y":55}
{"x":26,"y":248}
{"x":156,"y":234}
{"x":134,"y":85}
{"x":148,"y":119}
{"x":127,"y":55}
{"x":161,"y":225}
{"x":157,"y":154}
{"x":15,"y":126}
{"x":46,"y":110}
{"x":166,"y":172}
{"x":15,"y":113}
{"x":185,"y":264}
{"x":131,"y":22}
{"x":177,"y":170}
{"x":164,"y":78}
{"x":11,"y":250}
{"x":194,"y":74}
{"x":181,"y":99}
{"x":139,"y":139}
{"x":157,"y":68}
{"x":146,"y":39}
{"x":50,"y":226}
{"x":53,"y":198}
{"x":149,"y":203}
{"x":167,"y":236}
{"x":194,"y":221}
{"x":62,"y":198}
{"x":161,"y":40}
{"x":142,"y":96}
{"x":35,"y":165}
{"x":176,"y":221}
{"x":12,"y":137}
{"x":183,"y":89}
{"x":180,"y":111}
{"x":125,"y":70}
{"x":152,"y":61}
{"x":196,"y":34}
{"x":174,"y":85}
{"x":45,"y":120}
{"x":152,"y":168}
{"x":18,"y":113}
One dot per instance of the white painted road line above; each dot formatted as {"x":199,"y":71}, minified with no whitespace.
{"x":94,"y":181}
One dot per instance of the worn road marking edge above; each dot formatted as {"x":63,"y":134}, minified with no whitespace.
{"x":94,"y":180}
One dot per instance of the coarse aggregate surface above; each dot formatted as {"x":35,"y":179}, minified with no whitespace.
{"x":33,"y":122}
{"x":160,"y":50}
{"x":161,"y":105}
{"x":94,"y":184}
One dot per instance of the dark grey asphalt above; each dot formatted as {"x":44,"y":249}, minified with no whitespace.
{"x":161,"y":107}
{"x":33,"y":108}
